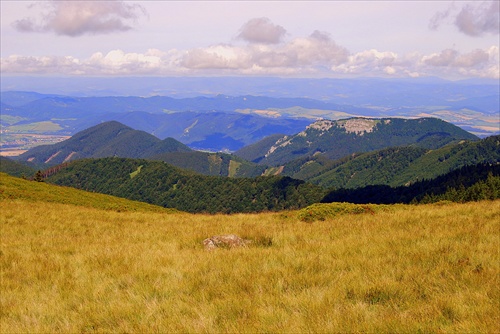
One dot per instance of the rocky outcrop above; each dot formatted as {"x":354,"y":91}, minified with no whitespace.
{"x":227,"y":241}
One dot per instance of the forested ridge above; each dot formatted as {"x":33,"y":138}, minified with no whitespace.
{"x":394,"y":166}
{"x":161,"y":184}
{"x":469,"y":183}
{"x":337,"y":139}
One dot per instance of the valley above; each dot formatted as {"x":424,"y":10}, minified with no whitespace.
{"x":14,"y":144}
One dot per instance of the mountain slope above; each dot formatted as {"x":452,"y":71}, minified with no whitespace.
{"x":41,"y":192}
{"x":161,"y":184}
{"x":337,"y":139}
{"x":104,"y":140}
{"x":469,"y":183}
{"x":213,"y":131}
{"x":15,"y":168}
{"x":216,"y":164}
{"x":393,"y":166}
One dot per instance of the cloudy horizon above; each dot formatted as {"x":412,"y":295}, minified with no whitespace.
{"x":450,"y":40}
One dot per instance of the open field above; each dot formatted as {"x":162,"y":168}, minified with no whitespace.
{"x":12,"y":153}
{"x":82,"y":267}
{"x":13,"y":144}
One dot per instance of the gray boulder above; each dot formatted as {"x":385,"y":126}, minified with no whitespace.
{"x":227,"y":241}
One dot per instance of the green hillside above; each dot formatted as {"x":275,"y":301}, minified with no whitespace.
{"x":469,"y":183}
{"x":161,"y":184}
{"x":393,"y":166}
{"x":14,"y":188}
{"x":216,"y":164}
{"x":15,"y":168}
{"x":103,"y":140}
{"x":337,"y":139}
{"x":113,"y":139}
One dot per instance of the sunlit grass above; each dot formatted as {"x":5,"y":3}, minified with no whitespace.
{"x":17,"y":188}
{"x":70,"y":268}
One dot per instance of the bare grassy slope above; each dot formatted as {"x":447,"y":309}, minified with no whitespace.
{"x":40,"y":192}
{"x":428,"y":268}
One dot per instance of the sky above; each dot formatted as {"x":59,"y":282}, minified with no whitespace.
{"x":311,"y":39}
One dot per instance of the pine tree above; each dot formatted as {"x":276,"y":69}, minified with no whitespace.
{"x":38,"y":176}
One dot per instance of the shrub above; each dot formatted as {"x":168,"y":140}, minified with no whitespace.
{"x":322,"y":212}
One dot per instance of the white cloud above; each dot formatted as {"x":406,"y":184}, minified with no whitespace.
{"x":451,"y":58}
{"x":227,"y":59}
{"x":369,"y":61}
{"x":115,"y":62}
{"x":75,"y":18}
{"x":318,"y":48}
{"x":314,"y":55}
{"x":472,"y":19}
{"x":444,"y":58}
{"x":447,"y":63}
{"x":216,"y":57}
{"x":262,"y":30}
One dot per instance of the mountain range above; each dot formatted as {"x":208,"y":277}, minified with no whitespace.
{"x":113,"y":139}
{"x":226,"y":114}
{"x":115,"y":159}
{"x":393,"y":166}
{"x":431,"y":148}
{"x":337,"y":139}
{"x":103,"y":140}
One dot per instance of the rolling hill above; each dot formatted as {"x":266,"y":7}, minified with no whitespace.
{"x":15,"y":168}
{"x":395,"y":166}
{"x":104,"y":140}
{"x":216,"y":164}
{"x":113,"y":139}
{"x":337,"y":139}
{"x":469,"y":183}
{"x":17,"y":189}
{"x":158,"y":183}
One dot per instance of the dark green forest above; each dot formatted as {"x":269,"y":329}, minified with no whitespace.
{"x":394,"y":166}
{"x":162,"y":184}
{"x":14,"y":168}
{"x":469,"y":183}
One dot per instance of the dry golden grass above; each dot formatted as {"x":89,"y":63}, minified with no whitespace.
{"x":429,"y":268}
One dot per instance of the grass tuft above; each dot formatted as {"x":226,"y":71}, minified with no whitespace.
{"x":322,"y":212}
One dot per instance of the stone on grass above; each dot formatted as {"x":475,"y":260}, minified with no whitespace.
{"x":227,"y":241}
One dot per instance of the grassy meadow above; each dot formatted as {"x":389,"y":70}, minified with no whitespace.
{"x":82,"y":266}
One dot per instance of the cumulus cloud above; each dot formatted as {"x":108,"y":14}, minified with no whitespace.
{"x":115,"y":62}
{"x":472,"y":19}
{"x":216,"y":57}
{"x":370,"y":62}
{"x":262,"y":30}
{"x":263,"y":60}
{"x":452,"y":58}
{"x":447,"y":64}
{"x":314,"y":55}
{"x":228,"y":59}
{"x":444,"y":58}
{"x":317,"y":50}
{"x":75,"y":18}
{"x":319,"y":47}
